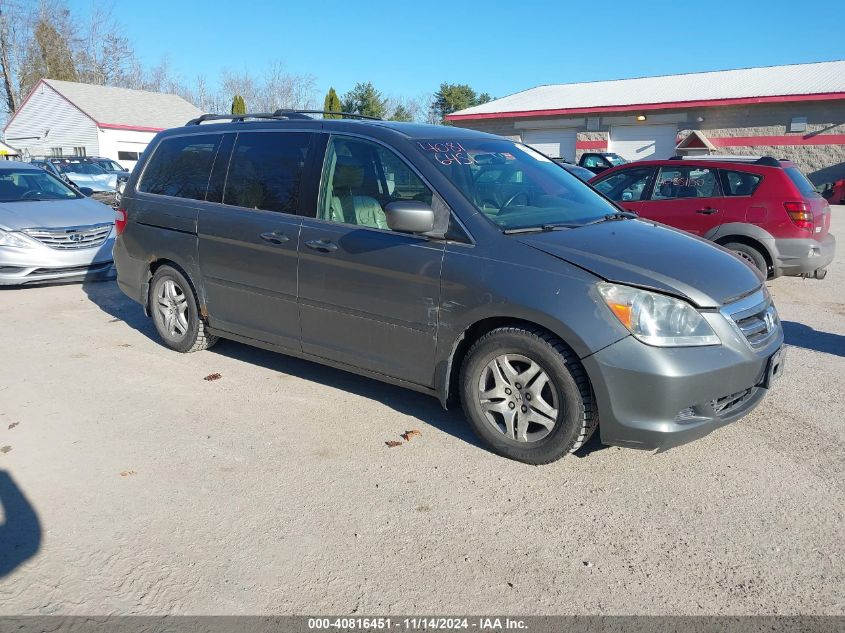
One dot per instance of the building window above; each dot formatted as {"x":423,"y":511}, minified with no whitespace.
{"x":127,"y":156}
{"x":56,"y":151}
{"x":79,"y":151}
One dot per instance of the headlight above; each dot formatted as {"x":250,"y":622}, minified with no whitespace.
{"x":656,"y":319}
{"x":8,"y":238}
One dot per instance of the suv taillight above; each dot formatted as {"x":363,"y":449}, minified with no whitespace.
{"x":800,"y":215}
{"x":120,"y":221}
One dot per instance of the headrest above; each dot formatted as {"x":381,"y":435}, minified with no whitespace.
{"x":348,"y":173}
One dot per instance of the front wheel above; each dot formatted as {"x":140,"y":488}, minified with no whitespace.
{"x":527,"y":395}
{"x":175,"y":312}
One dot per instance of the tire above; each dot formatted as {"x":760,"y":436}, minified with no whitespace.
{"x":559,"y":396}
{"x":175,"y":312}
{"x":750,"y":255}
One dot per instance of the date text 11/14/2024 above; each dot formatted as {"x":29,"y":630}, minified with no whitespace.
{"x":417,"y":624}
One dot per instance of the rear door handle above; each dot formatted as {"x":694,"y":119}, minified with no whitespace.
{"x":324,"y":246}
{"x":274,"y":238}
{"x":707,"y":211}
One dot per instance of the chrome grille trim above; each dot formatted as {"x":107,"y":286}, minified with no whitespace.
{"x":754,"y":317}
{"x":71,"y":237}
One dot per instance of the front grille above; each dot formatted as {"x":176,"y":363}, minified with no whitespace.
{"x":756,"y":318}
{"x":724,"y":405}
{"x":72,"y":237}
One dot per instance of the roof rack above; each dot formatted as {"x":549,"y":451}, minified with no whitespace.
{"x":767,"y":161}
{"x":281,"y":113}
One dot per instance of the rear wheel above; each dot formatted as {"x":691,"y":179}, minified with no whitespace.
{"x":526,"y":395}
{"x":176,"y":313}
{"x":750,"y":255}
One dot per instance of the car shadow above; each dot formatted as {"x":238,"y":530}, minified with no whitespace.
{"x":108,"y":297}
{"x":20,"y":532}
{"x":800,"y":335}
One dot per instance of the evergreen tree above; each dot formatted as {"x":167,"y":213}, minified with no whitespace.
{"x":365,"y":99}
{"x":332,"y":104}
{"x":238,"y":105}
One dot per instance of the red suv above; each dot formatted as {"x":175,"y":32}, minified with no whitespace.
{"x":763,"y":209}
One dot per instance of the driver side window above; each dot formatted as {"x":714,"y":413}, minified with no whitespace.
{"x":360,"y":178}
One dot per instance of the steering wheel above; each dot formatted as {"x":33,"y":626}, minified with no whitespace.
{"x":512,"y":198}
{"x":31,"y":193}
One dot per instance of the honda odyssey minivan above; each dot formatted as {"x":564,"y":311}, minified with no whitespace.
{"x":400,"y":252}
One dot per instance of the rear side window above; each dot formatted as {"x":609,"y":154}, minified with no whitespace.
{"x":739,"y":183}
{"x":800,"y":180}
{"x":265,"y":171}
{"x":181,"y":166}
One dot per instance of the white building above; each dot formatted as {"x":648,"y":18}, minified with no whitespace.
{"x":61,"y":118}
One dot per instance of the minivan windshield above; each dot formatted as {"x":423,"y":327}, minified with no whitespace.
{"x":18,"y":185}
{"x":514,"y":186}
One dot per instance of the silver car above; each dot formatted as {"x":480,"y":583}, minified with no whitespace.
{"x":48,"y":230}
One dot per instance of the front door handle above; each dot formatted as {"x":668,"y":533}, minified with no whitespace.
{"x":707,"y":211}
{"x":274,"y":238}
{"x":324,"y":246}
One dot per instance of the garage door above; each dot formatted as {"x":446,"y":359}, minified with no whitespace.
{"x":638,"y":142}
{"x":553,"y":143}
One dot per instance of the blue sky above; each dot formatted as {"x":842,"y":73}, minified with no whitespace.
{"x":500,"y":47}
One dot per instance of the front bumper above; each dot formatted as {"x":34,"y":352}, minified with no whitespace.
{"x":803,"y":255}
{"x":657,"y":398}
{"x":42,"y":264}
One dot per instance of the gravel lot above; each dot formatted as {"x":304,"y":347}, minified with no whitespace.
{"x":132,"y":485}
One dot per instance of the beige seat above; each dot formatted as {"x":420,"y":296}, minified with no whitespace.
{"x":346,"y":205}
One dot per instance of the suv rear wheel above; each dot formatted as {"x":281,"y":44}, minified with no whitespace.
{"x":176,"y":313}
{"x":526,"y":395}
{"x":750,"y":255}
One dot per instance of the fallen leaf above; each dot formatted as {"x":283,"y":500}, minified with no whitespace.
{"x":6,"y":449}
{"x":214,"y":376}
{"x":126,"y":473}
{"x":13,"y":425}
{"x":393,"y":443}
{"x":124,"y":345}
{"x":407,"y":435}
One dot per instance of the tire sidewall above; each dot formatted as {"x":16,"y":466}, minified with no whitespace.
{"x":186,"y":342}
{"x":570,"y":401}
{"x":753,"y":253}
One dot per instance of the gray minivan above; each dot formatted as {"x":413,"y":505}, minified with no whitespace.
{"x":452,"y":262}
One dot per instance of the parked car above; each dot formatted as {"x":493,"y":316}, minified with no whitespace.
{"x":81,"y":172}
{"x":762,"y":209}
{"x":833,"y":192}
{"x":597,"y":162}
{"x":581,"y":172}
{"x":108,"y":165}
{"x":48,"y":230}
{"x":533,"y":300}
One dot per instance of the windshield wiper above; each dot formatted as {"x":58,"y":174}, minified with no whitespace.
{"x":539,"y":229}
{"x":610,"y":217}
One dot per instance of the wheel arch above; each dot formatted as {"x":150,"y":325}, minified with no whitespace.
{"x":748,"y":241}
{"x":157,"y":263}
{"x":448,"y":386}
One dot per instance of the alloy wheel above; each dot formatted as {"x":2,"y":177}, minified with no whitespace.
{"x":172,"y":307}
{"x":518,"y":398}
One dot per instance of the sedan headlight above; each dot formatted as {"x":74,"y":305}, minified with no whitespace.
{"x":7,"y":238}
{"x":656,"y":319}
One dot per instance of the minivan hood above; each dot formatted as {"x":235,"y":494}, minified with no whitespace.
{"x":53,"y":214}
{"x":649,"y":255}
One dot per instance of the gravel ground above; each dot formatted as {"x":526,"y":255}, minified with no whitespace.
{"x":131,"y":485}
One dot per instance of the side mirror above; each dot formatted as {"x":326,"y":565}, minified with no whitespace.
{"x":409,"y":216}
{"x":86,"y":191}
